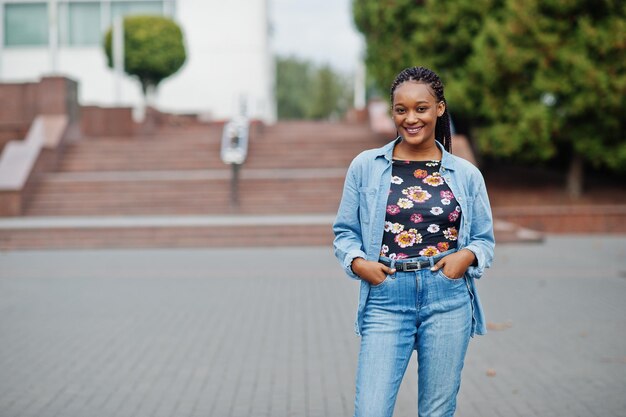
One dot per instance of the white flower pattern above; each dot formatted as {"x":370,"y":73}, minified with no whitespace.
{"x":405,"y":203}
{"x":433,"y":228}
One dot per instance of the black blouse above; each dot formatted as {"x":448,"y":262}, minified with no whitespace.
{"x":423,"y":216}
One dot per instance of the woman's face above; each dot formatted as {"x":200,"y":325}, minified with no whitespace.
{"x":415,"y":110}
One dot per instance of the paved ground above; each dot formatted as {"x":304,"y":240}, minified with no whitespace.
{"x":268,"y":332}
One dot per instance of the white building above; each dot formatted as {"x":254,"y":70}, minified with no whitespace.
{"x":229,"y":59}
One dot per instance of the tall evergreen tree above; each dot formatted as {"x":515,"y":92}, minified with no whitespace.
{"x":551,"y":76}
{"x":437,"y":34}
{"x":530,"y":77}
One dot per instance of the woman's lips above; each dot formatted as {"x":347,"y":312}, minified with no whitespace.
{"x":413,"y":130}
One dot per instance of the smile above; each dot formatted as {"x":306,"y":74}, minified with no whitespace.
{"x":413,"y":130}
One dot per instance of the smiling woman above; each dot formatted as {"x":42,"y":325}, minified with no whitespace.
{"x":414,"y":226}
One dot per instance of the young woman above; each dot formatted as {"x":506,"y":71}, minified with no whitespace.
{"x":414,"y":225}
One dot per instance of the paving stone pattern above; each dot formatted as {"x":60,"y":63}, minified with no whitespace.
{"x":268,"y":332}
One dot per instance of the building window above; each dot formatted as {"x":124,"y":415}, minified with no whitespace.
{"x":26,"y":24}
{"x":125,"y":8}
{"x":82,"y":27}
{"x":79,"y":22}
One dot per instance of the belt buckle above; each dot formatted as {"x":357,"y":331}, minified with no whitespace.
{"x":412,"y":266}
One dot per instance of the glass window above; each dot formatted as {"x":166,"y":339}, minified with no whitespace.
{"x":26,"y":24}
{"x":83,"y":24}
{"x":126,"y":8}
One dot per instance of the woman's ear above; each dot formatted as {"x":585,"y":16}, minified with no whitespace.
{"x":441,"y":108}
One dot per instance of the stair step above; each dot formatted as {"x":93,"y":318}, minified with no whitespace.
{"x":187,"y":231}
{"x":150,"y":232}
{"x":284,"y":145}
{"x":262,"y":191}
{"x":192,"y":175}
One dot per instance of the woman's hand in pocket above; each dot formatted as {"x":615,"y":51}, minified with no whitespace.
{"x":454,"y":265}
{"x":370,"y":271}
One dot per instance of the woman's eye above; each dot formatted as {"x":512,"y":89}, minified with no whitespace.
{"x":399,"y":111}
{"x":421,"y":109}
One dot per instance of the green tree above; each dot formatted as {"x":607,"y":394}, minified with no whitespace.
{"x":293,"y":88}
{"x":386,"y":26}
{"x":435,"y":34}
{"x":306,"y":91}
{"x":330,"y":94}
{"x":532,"y":78}
{"x":153,"y":49}
{"x":551,"y":77}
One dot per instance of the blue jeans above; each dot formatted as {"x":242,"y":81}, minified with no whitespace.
{"x":421,"y":310}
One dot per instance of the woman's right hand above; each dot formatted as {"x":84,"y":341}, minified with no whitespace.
{"x":370,"y":271}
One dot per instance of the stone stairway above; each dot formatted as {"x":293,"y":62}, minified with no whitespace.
{"x":168,"y":149}
{"x":295,"y":167}
{"x":181,"y":192}
{"x":121,"y":191}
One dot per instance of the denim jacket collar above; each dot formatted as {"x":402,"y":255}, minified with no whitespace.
{"x":387,"y":152}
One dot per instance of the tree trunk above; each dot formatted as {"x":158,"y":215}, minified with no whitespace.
{"x":150,"y":95}
{"x":149,"y":122}
{"x":575,"y":176}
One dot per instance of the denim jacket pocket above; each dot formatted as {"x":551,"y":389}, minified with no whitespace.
{"x":466,"y":202}
{"x":366,"y":200}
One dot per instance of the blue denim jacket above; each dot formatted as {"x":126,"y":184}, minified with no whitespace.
{"x":360,"y":219}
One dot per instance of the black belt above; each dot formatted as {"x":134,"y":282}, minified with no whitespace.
{"x":407,"y":266}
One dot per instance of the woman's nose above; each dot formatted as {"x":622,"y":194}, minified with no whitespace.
{"x":411,"y":117}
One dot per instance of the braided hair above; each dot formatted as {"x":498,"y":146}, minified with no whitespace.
{"x":428,"y":77}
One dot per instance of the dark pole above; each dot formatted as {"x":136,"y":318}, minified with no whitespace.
{"x":234,"y":186}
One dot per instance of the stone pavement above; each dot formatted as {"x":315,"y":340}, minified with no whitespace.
{"x":269,"y":332}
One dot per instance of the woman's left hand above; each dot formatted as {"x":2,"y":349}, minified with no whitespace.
{"x":455,"y":264}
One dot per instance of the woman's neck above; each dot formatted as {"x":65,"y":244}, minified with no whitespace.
{"x":405,"y":151}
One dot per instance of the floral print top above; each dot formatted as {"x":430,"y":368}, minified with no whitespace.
{"x":423,"y":217}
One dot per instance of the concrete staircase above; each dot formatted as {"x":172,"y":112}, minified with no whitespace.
{"x":293,"y":168}
{"x":171,"y":189}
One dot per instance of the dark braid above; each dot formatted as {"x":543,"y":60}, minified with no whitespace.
{"x":426,"y":76}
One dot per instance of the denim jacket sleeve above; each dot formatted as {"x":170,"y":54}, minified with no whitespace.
{"x":481,"y":239}
{"x":347,"y":227}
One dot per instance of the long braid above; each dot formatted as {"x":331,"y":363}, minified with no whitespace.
{"x":421,"y":74}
